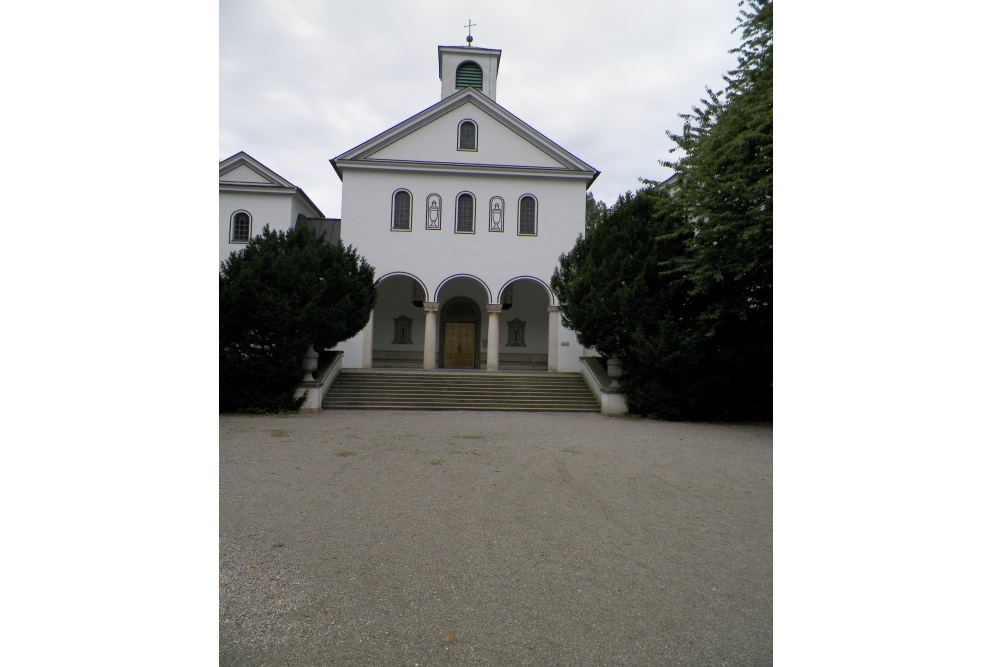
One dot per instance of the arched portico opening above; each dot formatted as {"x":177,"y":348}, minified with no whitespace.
{"x":461,"y":328}
{"x":525,"y":323}
{"x":397,"y":333}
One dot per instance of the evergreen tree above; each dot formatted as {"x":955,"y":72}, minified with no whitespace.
{"x":679,"y":283}
{"x":596,"y":210}
{"x":727,"y":180}
{"x":281,"y":293}
{"x":726,"y":190}
{"x":618,"y":299}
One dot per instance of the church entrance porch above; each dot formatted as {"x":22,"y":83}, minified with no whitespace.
{"x":462,"y":324}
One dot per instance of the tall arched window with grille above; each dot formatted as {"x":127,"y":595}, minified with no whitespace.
{"x":401,"y":211}
{"x":465,"y":214}
{"x":467,"y":136}
{"x":527,"y":216}
{"x":239,"y":228}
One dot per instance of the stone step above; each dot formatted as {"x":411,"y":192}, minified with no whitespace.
{"x":455,"y":390}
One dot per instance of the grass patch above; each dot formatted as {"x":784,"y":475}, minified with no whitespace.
{"x":437,"y":462}
{"x":471,"y":437}
{"x":459,"y":451}
{"x":568,"y":450}
{"x":280,"y":434}
{"x":347,"y":453}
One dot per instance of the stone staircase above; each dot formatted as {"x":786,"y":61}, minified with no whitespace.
{"x":459,"y":390}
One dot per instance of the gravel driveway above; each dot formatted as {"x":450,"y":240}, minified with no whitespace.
{"x":454,"y":538}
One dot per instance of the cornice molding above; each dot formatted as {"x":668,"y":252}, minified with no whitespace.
{"x":466,"y":168}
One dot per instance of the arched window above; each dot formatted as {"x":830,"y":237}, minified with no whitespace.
{"x":527,"y":216}
{"x":465,"y":214}
{"x":469,"y":75}
{"x":467,"y":136}
{"x":401,"y":211}
{"x":239,"y":228}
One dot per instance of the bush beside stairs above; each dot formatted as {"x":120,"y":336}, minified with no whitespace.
{"x":458,"y":390}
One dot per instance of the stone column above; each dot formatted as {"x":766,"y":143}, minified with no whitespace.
{"x":430,"y":335}
{"x":553,"y":339}
{"x":493,"y":337}
{"x":367,"y":341}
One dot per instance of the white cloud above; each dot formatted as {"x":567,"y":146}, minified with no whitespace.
{"x":303,"y":81}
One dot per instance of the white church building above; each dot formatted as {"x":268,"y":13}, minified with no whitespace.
{"x":251,"y":195}
{"x":463,"y":209}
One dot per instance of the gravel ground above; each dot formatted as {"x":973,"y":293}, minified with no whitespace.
{"x":451,"y":538}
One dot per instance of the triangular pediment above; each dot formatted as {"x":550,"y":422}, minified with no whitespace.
{"x":431,"y":137}
{"x":245,"y":170}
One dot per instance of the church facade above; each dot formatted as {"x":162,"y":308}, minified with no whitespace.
{"x":463,"y":209}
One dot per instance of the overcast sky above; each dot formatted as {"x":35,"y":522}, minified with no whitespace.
{"x":302,"y":81}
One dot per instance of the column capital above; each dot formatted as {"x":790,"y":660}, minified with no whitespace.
{"x":492,"y":308}
{"x":431,"y":306}
{"x":555,"y":309}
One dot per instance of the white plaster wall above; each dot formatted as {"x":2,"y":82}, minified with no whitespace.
{"x":435,"y":255}
{"x":244,"y":174}
{"x":264,"y":208}
{"x":298,"y":206}
{"x":438,"y":142}
{"x":569,"y":355}
{"x":352,"y":349}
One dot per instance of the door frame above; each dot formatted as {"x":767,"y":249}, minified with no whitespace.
{"x":477,"y":319}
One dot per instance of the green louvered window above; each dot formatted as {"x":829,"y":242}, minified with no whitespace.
{"x":469,"y":75}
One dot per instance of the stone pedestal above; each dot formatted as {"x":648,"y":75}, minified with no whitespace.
{"x":309,"y":364}
{"x":614,"y":370}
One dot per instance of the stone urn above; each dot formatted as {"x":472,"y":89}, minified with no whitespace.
{"x":309,"y":364}
{"x":614,"y":369}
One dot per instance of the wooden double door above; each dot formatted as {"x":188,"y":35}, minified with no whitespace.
{"x":459,"y":344}
{"x":460,"y":318}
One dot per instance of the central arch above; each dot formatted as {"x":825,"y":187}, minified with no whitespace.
{"x":461,"y":321}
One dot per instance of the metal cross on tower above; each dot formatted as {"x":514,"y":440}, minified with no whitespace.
{"x":469,"y":26}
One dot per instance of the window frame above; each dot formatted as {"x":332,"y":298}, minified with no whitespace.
{"x":232,"y":226}
{"x":520,"y":213}
{"x":475,"y":135}
{"x":458,"y":210}
{"x":392,"y":215}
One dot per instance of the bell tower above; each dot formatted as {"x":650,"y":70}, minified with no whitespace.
{"x":468,"y":66}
